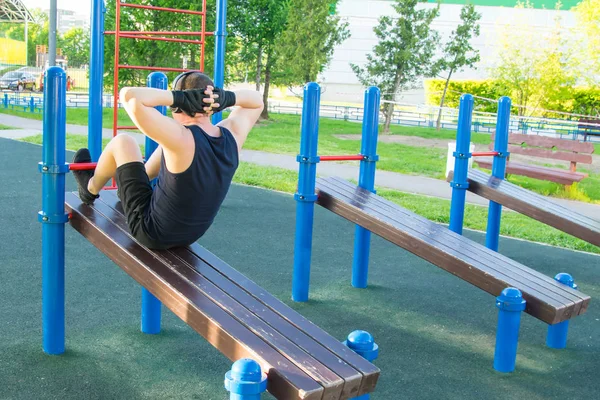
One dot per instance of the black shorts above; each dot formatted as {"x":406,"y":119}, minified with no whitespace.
{"x":135,"y":193}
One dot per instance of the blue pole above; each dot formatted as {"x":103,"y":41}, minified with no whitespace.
{"x":53,"y":218}
{"x":96,"y":79}
{"x":31,"y":105}
{"x":151,"y":306}
{"x":362,"y":343}
{"x":245,"y":381}
{"x":220,"y":37}
{"x":557,"y":333}
{"x":492,"y":236}
{"x":5,"y":100}
{"x":461,"y":164}
{"x":306,"y":197}
{"x":366,"y":180}
{"x":511,"y":304}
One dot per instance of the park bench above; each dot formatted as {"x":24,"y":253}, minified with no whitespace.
{"x":589,"y":126}
{"x":547,"y":300}
{"x":230,"y":311}
{"x":549,"y":148}
{"x":533,"y":205}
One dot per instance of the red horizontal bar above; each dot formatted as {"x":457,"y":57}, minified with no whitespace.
{"x":82,"y":166}
{"x":357,"y":157}
{"x":175,"y":10}
{"x":110,"y":188}
{"x":152,"y":68}
{"x":165,"y":33}
{"x":127,"y":127}
{"x":162,"y":39}
{"x":484,"y":153}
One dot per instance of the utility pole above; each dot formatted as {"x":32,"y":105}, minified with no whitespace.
{"x":52,"y":34}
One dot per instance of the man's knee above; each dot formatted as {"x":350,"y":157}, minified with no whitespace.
{"x":125,"y":149}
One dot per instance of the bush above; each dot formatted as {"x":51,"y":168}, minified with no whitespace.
{"x":578,"y":100}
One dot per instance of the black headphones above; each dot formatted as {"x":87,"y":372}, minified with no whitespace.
{"x":175,"y":82}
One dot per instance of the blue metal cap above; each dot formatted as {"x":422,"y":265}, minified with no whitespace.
{"x":504,"y":100}
{"x":373,"y":91}
{"x":466,"y":97}
{"x":510,"y":299}
{"x":566,"y":279}
{"x":55,"y":71}
{"x":157,"y":80}
{"x":245,"y":377}
{"x":362,"y":343}
{"x":310,"y":86}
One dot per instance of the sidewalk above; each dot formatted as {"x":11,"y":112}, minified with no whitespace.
{"x":404,"y":183}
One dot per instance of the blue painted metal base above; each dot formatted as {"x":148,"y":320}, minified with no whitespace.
{"x":363,"y":344}
{"x":511,"y":304}
{"x":245,"y":381}
{"x":151,"y":313}
{"x":557,"y":333}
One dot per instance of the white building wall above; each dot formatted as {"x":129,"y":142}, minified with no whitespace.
{"x":340,"y":83}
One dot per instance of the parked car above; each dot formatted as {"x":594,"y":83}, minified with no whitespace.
{"x":18,"y":80}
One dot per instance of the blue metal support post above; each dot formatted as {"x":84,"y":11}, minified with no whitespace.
{"x":492,"y":236}
{"x":306,"y":197}
{"x":245,"y":381}
{"x":5,"y":101}
{"x":96,"y":79}
{"x":53,"y":217}
{"x":462,"y":154}
{"x":557,"y":333}
{"x":366,"y":180}
{"x":220,"y":38}
{"x":151,"y":306}
{"x":362,"y":343}
{"x":511,"y":304}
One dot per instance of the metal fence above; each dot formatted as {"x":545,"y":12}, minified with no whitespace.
{"x":405,"y":115}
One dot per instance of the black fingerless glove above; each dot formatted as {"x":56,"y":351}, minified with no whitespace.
{"x":226,"y":99}
{"x":188,"y":101}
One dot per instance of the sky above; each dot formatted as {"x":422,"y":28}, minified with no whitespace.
{"x":79,"y":6}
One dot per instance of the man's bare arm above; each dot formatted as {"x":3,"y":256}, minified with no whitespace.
{"x":139,"y":104}
{"x":248,"y":107}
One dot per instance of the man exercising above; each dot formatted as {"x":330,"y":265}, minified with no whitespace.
{"x":194,"y":162}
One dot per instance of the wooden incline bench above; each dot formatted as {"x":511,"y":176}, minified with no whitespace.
{"x":230,"y":311}
{"x":547,"y":300}
{"x":545,"y":147}
{"x":535,"y":206}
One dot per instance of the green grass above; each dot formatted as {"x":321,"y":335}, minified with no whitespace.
{"x":281,"y":135}
{"x":4,"y":127}
{"x":438,"y":210}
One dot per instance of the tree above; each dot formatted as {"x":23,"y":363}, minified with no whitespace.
{"x":533,"y":69}
{"x":75,"y":44}
{"x":258,"y":24}
{"x":37,"y":32}
{"x":404,"y":52}
{"x":313,"y":30}
{"x":458,"y":52}
{"x":588,"y":18}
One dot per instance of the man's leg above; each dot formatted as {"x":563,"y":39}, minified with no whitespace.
{"x":122,"y":149}
{"x":153,"y":163}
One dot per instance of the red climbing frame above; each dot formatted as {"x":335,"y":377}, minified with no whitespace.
{"x":152,"y":35}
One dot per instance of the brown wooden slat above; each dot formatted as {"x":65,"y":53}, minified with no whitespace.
{"x":472,"y":252}
{"x":467,"y":249}
{"x":422,"y":246}
{"x":219,"y":328}
{"x":339,"y":379}
{"x":370,"y":372}
{"x":550,"y":154}
{"x":538,"y":200}
{"x":541,"y":209}
{"x":542,"y":173}
{"x":544,"y":141}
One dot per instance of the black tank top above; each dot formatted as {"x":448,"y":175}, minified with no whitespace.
{"x":185,"y":204}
